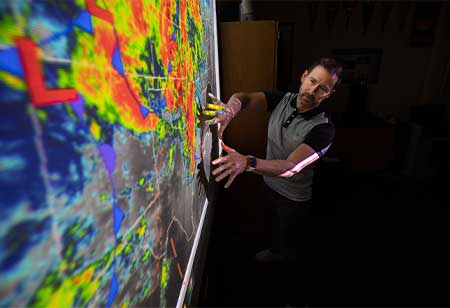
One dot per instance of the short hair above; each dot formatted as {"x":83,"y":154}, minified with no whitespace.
{"x":332,"y":66}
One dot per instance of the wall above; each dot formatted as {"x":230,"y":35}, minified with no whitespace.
{"x":408,"y":75}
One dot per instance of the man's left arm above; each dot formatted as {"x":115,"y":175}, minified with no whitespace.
{"x":301,"y":157}
{"x":315,"y":145}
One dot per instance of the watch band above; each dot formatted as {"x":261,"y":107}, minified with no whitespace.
{"x":251,"y":163}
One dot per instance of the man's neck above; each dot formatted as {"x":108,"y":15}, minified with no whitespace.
{"x":302,"y":108}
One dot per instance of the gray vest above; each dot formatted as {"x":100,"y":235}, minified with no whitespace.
{"x":283,"y":141}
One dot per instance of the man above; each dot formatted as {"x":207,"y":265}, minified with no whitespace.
{"x":299,"y":133}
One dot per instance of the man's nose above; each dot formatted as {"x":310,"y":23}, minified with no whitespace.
{"x":312,"y":90}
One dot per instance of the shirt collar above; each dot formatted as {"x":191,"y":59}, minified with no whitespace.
{"x":308,"y":114}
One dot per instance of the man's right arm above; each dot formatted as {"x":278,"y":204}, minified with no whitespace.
{"x":254,"y":101}
{"x":224,"y":113}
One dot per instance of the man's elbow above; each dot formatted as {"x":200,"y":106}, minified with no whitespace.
{"x":294,"y":168}
{"x":286,"y":175}
{"x":290,"y":170}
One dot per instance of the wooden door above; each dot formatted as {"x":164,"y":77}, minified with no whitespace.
{"x":248,"y":56}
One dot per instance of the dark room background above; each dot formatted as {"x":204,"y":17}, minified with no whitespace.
{"x":380,"y":219}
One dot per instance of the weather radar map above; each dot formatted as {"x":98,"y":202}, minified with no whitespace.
{"x":104,"y":156}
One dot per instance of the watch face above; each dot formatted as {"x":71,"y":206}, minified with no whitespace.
{"x":253,"y":162}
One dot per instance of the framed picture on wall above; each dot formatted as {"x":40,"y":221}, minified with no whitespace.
{"x":424,"y":24}
{"x":359,"y":63}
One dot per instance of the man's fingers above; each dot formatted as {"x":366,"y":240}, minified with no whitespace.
{"x":208,"y":112}
{"x":215,"y":99}
{"x":221,"y":168}
{"x":224,"y":174}
{"x":212,"y":121}
{"x":222,"y":159}
{"x":214,"y":107}
{"x":227,"y":148}
{"x":213,"y":113}
{"x":230,"y":180}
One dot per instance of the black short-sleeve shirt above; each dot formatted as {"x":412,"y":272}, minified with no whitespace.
{"x":320,"y":137}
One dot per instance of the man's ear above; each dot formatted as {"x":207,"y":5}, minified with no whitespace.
{"x":324,"y":98}
{"x":305,"y":73}
{"x":327,"y":95}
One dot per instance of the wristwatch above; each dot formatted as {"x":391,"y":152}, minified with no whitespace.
{"x":251,"y":163}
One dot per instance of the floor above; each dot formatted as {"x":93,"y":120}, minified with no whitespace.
{"x":378,"y":239}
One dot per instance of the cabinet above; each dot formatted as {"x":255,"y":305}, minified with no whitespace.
{"x":248,"y":53}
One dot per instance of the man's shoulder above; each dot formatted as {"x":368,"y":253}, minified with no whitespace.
{"x":273,"y":98}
